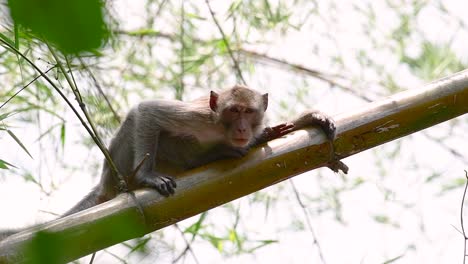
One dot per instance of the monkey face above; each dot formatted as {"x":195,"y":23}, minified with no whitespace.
{"x":241,"y":111}
{"x":241,"y":124}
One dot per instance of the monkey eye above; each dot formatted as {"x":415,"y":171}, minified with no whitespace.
{"x":234,"y":110}
{"x":249,"y":110}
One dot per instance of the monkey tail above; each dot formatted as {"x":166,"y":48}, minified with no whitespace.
{"x":93,"y":198}
{"x":90,"y":200}
{"x":8,"y":232}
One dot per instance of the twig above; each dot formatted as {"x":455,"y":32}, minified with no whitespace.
{"x":194,"y":235}
{"x":452,"y":151}
{"x":91,"y":261}
{"x":223,"y":35}
{"x":461,"y":218}
{"x":182,"y":50}
{"x":24,"y":87}
{"x":307,"y":217}
{"x":57,"y":89}
{"x":123,"y":187}
{"x":311,"y":72}
{"x":93,"y":131}
{"x":188,"y":247}
{"x":100,"y":90}
{"x":260,"y":57}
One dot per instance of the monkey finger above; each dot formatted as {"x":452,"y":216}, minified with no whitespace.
{"x":162,"y":189}
{"x":280,"y":126}
{"x":160,"y":185}
{"x":172,"y":182}
{"x":169,"y":184}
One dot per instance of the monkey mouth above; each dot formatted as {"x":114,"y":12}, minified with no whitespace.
{"x":240,"y":141}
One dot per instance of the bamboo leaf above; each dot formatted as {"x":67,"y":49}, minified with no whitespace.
{"x":4,"y":165}
{"x":18,"y":141}
{"x":6,"y":39}
{"x":15,"y":28}
{"x":62,"y":135}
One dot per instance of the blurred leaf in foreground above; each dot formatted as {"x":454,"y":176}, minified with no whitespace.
{"x":74,"y":26}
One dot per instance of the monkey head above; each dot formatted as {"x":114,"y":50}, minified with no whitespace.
{"x":240,"y":110}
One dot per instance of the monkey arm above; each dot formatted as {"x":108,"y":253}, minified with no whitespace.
{"x":145,"y":140}
{"x":327,"y":124}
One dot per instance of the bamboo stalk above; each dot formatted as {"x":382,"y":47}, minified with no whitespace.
{"x":212,"y":185}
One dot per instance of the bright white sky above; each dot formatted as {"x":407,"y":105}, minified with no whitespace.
{"x":425,"y":233}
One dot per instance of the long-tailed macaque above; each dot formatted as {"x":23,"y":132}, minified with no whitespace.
{"x":181,"y":135}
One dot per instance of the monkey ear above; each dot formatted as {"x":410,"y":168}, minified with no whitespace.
{"x":214,"y":101}
{"x":265,"y":101}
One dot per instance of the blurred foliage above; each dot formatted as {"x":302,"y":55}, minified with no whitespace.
{"x":434,"y":61}
{"x":121,"y":53}
{"x":74,"y":26}
{"x":47,"y":248}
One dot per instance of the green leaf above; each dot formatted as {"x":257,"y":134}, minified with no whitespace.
{"x":15,"y":29}
{"x":73,"y":26}
{"x":6,"y":39}
{"x":4,"y":165}
{"x":62,"y":135}
{"x":263,"y":243}
{"x":394,"y":259}
{"x":18,"y":142}
{"x":5,"y":115}
{"x":194,"y":228}
{"x":30,"y":178}
{"x":194,"y":16}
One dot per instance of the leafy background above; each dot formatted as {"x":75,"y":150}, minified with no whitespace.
{"x":399,"y":204}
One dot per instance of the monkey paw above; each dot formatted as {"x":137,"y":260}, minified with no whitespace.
{"x":338,"y":166}
{"x":165,"y":185}
{"x":326,"y":123}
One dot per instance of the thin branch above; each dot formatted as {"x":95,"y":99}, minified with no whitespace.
{"x":100,"y":90}
{"x":24,"y":87}
{"x":194,"y":235}
{"x":182,"y":50}
{"x":57,"y":89}
{"x":188,"y":247}
{"x":300,"y":68}
{"x":461,"y":218}
{"x":452,"y":151}
{"x":261,"y":58}
{"x":309,"y":223}
{"x":94,"y":134}
{"x":91,"y":261}
{"x":226,"y":42}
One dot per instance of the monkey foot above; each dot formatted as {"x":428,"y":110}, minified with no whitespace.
{"x":338,"y":165}
{"x":165,"y":185}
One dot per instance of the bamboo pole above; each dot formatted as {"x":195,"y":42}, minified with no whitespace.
{"x":215,"y":184}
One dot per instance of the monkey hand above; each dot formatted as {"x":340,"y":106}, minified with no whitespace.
{"x":270,"y":133}
{"x":165,"y":185}
{"x":278,"y":131}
